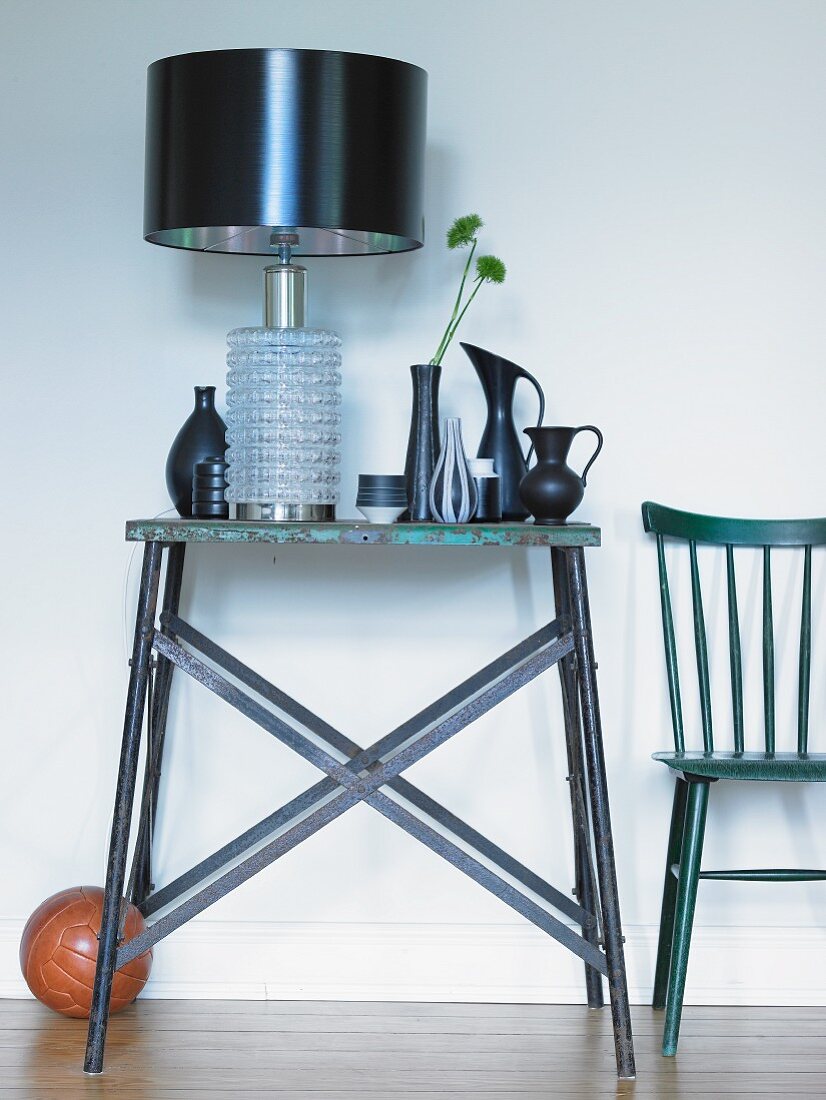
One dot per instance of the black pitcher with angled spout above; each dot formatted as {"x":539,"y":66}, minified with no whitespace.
{"x":500,"y":440}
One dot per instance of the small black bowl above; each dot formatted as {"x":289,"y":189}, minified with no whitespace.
{"x":384,"y":490}
{"x":379,"y":500}
{"x":373,"y":480}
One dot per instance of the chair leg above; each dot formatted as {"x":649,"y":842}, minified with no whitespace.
{"x":675,"y":842}
{"x":690,"y":859}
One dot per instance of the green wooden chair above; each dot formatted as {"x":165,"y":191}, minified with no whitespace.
{"x":695,"y":771}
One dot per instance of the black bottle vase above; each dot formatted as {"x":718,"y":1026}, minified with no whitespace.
{"x":423,"y":445}
{"x":202,"y":435}
{"x":499,"y":439}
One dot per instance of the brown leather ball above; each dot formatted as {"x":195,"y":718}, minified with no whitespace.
{"x":59,"y":950}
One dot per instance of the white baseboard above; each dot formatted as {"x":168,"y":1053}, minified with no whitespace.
{"x":499,"y":963}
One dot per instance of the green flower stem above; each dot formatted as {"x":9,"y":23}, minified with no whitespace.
{"x":442,"y":348}
{"x":458,"y":321}
{"x":462,"y":284}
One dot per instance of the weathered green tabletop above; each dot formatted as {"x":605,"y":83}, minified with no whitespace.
{"x":354,"y":533}
{"x":373,"y":775}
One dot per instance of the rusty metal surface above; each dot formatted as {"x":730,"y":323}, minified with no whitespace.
{"x":362,"y":534}
{"x":600,"y":815}
{"x":124,"y":797}
{"x":358,"y":788}
{"x":140,"y":878}
{"x":360,"y":759}
{"x":585,"y":889}
{"x":497,"y":886}
{"x":360,"y":775}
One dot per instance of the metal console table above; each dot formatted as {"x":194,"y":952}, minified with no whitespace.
{"x":354,"y":774}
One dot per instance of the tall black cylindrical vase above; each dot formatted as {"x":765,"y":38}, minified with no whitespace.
{"x":424,"y":445}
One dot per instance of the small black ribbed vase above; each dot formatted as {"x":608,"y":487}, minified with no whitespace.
{"x":209,"y":483}
{"x":202,"y":435}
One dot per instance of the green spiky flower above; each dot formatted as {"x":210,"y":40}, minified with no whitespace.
{"x":489,"y":269}
{"x":463,"y":231}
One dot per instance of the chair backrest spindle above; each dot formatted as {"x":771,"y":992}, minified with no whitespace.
{"x":768,"y":651}
{"x":805,"y":655}
{"x":735,"y":654}
{"x":670,"y":650}
{"x":701,"y":648}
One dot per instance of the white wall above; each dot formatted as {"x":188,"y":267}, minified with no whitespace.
{"x":653,"y":174}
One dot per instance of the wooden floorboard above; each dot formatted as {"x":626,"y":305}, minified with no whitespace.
{"x":184,"y":1050}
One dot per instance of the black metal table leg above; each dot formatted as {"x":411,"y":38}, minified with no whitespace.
{"x":127,"y":774}
{"x":584,"y":886}
{"x":601,"y":820}
{"x":140,"y":881}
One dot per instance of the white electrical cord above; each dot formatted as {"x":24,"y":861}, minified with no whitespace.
{"x":127,"y":648}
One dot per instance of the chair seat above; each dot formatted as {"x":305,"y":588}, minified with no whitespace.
{"x":794,"y":767}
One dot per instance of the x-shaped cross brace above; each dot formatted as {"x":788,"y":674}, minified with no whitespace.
{"x":367,"y":771}
{"x":359,"y":777}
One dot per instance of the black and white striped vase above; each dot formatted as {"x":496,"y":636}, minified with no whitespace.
{"x":452,"y":489}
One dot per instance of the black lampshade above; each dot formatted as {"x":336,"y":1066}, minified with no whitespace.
{"x":327,"y":145}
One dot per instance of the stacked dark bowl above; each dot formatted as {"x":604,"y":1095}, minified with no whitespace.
{"x":381,"y":497}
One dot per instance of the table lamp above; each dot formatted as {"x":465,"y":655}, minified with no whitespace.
{"x":284,"y":153}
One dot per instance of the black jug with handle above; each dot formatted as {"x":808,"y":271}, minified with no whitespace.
{"x":552,"y":490}
{"x":500,"y":440}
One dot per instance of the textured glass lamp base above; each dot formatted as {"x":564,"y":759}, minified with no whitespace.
{"x":284,"y":416}
{"x":284,"y":513}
